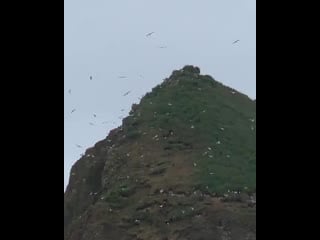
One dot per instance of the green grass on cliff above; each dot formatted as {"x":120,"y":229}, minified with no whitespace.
{"x":216,"y":120}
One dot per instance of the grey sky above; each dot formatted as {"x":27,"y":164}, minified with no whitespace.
{"x":106,"y":39}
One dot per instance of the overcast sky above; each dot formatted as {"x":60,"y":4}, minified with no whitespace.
{"x":107,"y":39}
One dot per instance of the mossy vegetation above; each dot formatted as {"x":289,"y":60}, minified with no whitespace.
{"x":204,"y":114}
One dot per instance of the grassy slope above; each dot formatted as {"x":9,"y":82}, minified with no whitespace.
{"x":203,"y":112}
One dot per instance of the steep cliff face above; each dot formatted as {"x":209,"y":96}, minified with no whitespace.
{"x":181,"y":166}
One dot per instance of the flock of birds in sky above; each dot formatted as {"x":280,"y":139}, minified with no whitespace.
{"x":125,"y":94}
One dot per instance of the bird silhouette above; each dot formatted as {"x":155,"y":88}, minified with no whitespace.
{"x":149,"y":34}
{"x":126,"y":93}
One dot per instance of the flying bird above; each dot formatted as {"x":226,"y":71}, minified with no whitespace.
{"x":79,"y":146}
{"x":94,"y":115}
{"x":92,"y":124}
{"x":235,"y":41}
{"x":149,"y":34}
{"x":90,"y":77}
{"x":73,"y":110}
{"x":126,"y":93}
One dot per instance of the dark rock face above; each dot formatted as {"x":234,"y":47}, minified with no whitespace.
{"x":191,"y":69}
{"x":181,"y":166}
